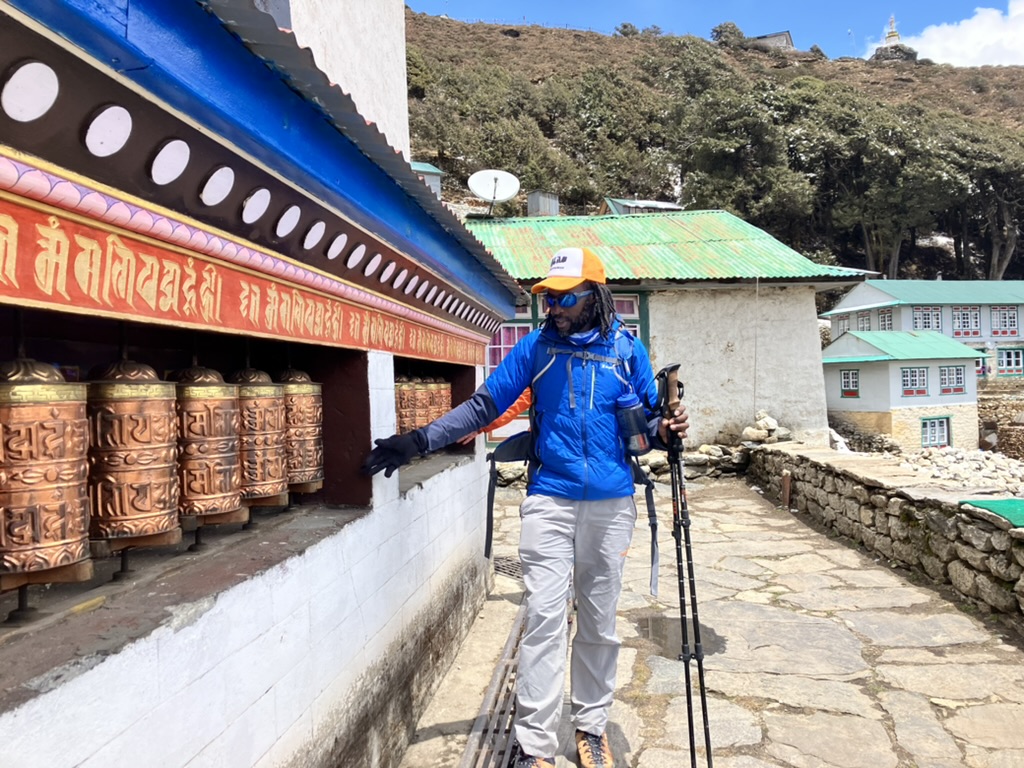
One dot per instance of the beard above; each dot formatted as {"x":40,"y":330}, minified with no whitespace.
{"x":588,"y":319}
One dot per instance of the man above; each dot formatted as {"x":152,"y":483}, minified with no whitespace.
{"x":578,"y":514}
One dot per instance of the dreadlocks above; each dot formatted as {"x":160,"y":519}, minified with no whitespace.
{"x":604,"y":306}
{"x":599,"y":311}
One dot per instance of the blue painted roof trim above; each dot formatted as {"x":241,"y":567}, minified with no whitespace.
{"x":183,"y":55}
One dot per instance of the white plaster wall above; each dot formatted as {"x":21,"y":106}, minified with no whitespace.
{"x":262,"y":672}
{"x":874,"y":388}
{"x":360,"y":44}
{"x":934,"y":396}
{"x":743,"y":350}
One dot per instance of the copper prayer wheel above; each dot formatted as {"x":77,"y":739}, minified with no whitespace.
{"x":304,"y":427}
{"x":44,"y":501}
{"x":446,"y":397}
{"x":405,"y":404}
{"x":421,"y":399}
{"x":261,"y":432}
{"x":209,"y":467}
{"x":133,"y":484}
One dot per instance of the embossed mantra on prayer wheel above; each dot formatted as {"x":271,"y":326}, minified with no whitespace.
{"x":209,"y":466}
{"x":133,"y":483}
{"x":261,"y":432}
{"x":405,"y":404}
{"x":44,"y":501}
{"x":304,"y":432}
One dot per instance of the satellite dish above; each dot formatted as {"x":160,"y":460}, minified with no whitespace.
{"x":493,"y":186}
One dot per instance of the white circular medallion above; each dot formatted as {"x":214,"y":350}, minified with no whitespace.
{"x":170,"y":162}
{"x":29,"y":92}
{"x":108,"y":132}
{"x":218,"y":186}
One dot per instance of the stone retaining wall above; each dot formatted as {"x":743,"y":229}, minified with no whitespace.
{"x":924,"y":529}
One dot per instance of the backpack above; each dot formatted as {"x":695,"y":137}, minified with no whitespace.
{"x":519,"y":447}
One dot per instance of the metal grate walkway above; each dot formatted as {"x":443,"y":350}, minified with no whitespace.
{"x":491,"y":744}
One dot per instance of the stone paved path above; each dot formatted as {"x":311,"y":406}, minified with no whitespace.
{"x":816,"y":656}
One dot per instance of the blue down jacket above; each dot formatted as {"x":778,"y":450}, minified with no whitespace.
{"x":577,"y":451}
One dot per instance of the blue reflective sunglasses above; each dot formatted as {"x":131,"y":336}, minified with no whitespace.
{"x":566,"y":300}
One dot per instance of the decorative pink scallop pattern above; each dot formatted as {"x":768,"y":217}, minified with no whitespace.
{"x":34,"y":184}
{"x":65,"y":195}
{"x":45,"y":187}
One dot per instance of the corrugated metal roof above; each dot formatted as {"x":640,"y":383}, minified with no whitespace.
{"x":623,"y":207}
{"x":907,"y":345}
{"x":297,"y":68}
{"x":420,"y":167}
{"x":952,"y":291}
{"x":684,"y":245}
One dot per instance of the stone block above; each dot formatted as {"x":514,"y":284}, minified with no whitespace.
{"x":881,"y":521}
{"x":934,"y":567}
{"x":867,"y":516}
{"x":898,"y":529}
{"x":880,"y":500}
{"x":977,"y":535}
{"x":996,"y":593}
{"x":963,"y":578}
{"x":942,"y":548}
{"x":906,"y":552}
{"x":883,"y":545}
{"x":895,"y":506}
{"x":1001,"y":541}
{"x":940,"y":523}
{"x":977,"y":560}
{"x":1002,"y":566}
{"x":1017,"y":550}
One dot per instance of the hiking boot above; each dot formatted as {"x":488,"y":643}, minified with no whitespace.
{"x":593,"y":751}
{"x":528,"y":761}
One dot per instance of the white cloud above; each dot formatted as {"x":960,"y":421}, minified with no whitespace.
{"x":990,"y":36}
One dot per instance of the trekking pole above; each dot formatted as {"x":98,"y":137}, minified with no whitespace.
{"x":670,"y":395}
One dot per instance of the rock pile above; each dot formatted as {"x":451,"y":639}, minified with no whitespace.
{"x":765,"y":429}
{"x":966,"y":468}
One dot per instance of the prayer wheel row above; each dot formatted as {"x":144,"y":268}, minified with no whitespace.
{"x":418,"y":401}
{"x":127,"y":454}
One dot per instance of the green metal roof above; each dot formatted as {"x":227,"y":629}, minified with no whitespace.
{"x":905,"y":345}
{"x":952,"y":291}
{"x":624,"y":207}
{"x":683,"y":245}
{"x":426,"y":168}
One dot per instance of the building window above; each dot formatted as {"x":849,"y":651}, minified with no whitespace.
{"x":966,"y":321}
{"x":508,"y":336}
{"x":934,"y":433}
{"x":842,"y":324}
{"x":863,"y":321}
{"x":849,"y":383}
{"x":885,"y":319}
{"x":1004,"y":321}
{"x":952,"y":379}
{"x":1010,"y":362}
{"x":628,"y":307}
{"x":927,"y":318}
{"x":915,"y":382}
{"x":981,"y":366}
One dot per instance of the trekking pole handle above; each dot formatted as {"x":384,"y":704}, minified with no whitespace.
{"x":670,"y":390}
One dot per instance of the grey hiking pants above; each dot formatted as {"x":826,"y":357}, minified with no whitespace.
{"x":587,"y":541}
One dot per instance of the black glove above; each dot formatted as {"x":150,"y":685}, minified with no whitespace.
{"x":394,"y":452}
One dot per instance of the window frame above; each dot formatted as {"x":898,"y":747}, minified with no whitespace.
{"x":927,"y":318}
{"x":849,"y":382}
{"x":1014,"y":369}
{"x":885,"y":319}
{"x":911,"y":379}
{"x":933,"y":423}
{"x":972,"y":326}
{"x":1004,"y":320}
{"x":958,"y":384}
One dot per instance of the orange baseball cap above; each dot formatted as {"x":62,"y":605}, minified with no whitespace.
{"x":570,"y":268}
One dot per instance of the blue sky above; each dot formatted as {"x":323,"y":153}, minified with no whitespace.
{"x":960,"y":32}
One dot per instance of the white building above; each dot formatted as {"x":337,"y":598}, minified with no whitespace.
{"x":730,"y":303}
{"x":983,"y":314}
{"x":917,"y":386}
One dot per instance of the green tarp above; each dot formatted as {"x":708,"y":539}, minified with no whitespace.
{"x":1011,"y":509}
